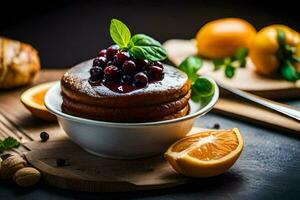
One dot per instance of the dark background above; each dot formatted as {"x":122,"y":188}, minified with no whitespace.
{"x":67,"y":32}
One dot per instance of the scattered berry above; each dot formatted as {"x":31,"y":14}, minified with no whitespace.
{"x":140,"y":79}
{"x":44,"y":136}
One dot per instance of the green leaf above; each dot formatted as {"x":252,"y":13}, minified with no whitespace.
{"x":144,"y":47}
{"x":120,"y":33}
{"x":289,"y":72}
{"x":8,"y":143}
{"x":218,"y":64}
{"x":280,"y":37}
{"x":201,"y":88}
{"x":295,"y":59}
{"x":241,"y":56}
{"x":190,"y":66}
{"x":229,"y":71}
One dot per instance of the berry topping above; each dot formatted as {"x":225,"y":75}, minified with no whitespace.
{"x":121,"y":57}
{"x":96,"y":72}
{"x":99,"y":61}
{"x":111,"y":73}
{"x":158,"y":64}
{"x":111,"y":51}
{"x":129,"y":67}
{"x":116,"y":68}
{"x":127,"y":79}
{"x":140,"y":79}
{"x":155,"y":72}
{"x":102,"y":53}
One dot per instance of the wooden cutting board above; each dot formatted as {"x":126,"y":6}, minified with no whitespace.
{"x":89,"y":173}
{"x":245,"y":78}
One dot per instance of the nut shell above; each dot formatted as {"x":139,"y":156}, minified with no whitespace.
{"x":10,"y":165}
{"x":27,"y":177}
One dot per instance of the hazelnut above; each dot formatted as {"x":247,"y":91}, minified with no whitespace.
{"x":10,"y":165}
{"x":27,"y":177}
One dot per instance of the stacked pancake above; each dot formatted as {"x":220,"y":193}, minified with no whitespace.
{"x":160,"y":100}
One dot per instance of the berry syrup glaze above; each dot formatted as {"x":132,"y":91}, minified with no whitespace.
{"x":119,"y":72}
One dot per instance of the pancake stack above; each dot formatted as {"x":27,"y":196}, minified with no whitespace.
{"x":160,"y":100}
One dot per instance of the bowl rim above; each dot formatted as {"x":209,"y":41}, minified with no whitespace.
{"x":199,"y":113}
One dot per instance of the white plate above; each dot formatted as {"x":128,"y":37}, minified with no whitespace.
{"x":125,"y":140}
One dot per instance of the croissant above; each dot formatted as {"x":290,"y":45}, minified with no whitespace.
{"x":19,"y":63}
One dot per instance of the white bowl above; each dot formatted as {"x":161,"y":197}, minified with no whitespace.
{"x":125,"y":140}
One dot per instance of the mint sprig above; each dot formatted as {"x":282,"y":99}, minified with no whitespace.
{"x":230,"y":64}
{"x":140,"y":46}
{"x":119,"y":33}
{"x":8,"y":143}
{"x":201,"y":86}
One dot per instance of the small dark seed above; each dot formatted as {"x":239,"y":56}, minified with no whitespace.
{"x":60,"y":162}
{"x":216,"y":126}
{"x":44,"y":136}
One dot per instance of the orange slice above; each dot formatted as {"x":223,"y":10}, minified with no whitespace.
{"x":33,"y":100}
{"x":206,"y":154}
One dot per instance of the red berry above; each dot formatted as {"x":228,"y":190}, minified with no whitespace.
{"x":99,"y":61}
{"x":159,"y":64}
{"x":111,"y":73}
{"x":155,"y":72}
{"x":111,"y":51}
{"x":129,"y":67}
{"x":102,"y":53}
{"x":140,"y":79}
{"x":121,"y":57}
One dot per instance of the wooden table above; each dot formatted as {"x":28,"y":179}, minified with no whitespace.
{"x":267,"y":169}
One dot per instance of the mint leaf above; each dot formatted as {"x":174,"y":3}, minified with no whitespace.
{"x":241,"y":56}
{"x":218,"y":64}
{"x":229,"y":71}
{"x":119,"y":33}
{"x":8,"y":143}
{"x":202,"y":88}
{"x":144,"y":47}
{"x":289,"y":72}
{"x":190,"y":66}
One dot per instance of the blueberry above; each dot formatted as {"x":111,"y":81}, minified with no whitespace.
{"x":127,"y":79}
{"x":96,"y":72}
{"x":129,"y":67}
{"x":140,"y":79}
